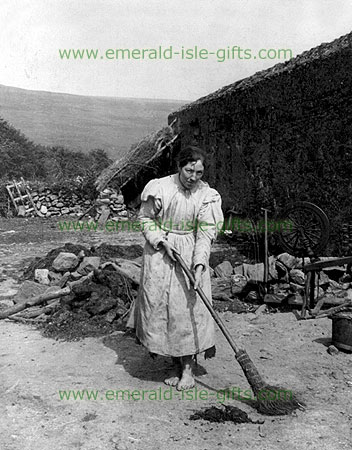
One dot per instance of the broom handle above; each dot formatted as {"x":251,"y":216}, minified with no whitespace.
{"x":207,"y":303}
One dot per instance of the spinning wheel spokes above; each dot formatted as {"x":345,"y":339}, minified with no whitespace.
{"x":309,"y":229}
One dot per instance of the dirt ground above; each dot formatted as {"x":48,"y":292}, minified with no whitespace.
{"x":33,"y":369}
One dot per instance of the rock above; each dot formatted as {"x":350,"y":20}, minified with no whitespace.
{"x":236,"y":306}
{"x":111,"y":316}
{"x":297,"y":276}
{"x":254,"y":272}
{"x":6,"y":303}
{"x":65,"y":261}
{"x":119,"y":199}
{"x":88,"y":264}
{"x":275,"y":298}
{"x":133,"y":268}
{"x":42,"y":276}
{"x":238,"y":270}
{"x":252,"y":296}
{"x":21,"y":211}
{"x":54,"y":277}
{"x":322,"y":278}
{"x":273,"y":273}
{"x":76,"y":275}
{"x":81,"y":254}
{"x":261,"y":309}
{"x":334,"y":285}
{"x":43,"y":209}
{"x":238,"y":283}
{"x":28,"y":290}
{"x":332,"y":350}
{"x":295,"y":299}
{"x":345,"y":286}
{"x":102,"y":201}
{"x":65,"y":210}
{"x":64,"y":279}
{"x":301,"y":262}
{"x":59,"y":205}
{"x":224,"y":269}
{"x":288,"y":260}
{"x":297,"y":288}
{"x":220,"y":287}
{"x":282,"y":271}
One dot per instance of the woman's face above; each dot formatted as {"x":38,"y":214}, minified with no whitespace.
{"x":191,"y":173}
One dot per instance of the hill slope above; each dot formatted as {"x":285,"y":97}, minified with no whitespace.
{"x":81,"y":122}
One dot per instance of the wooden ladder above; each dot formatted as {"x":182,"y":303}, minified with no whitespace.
{"x":20,"y":199}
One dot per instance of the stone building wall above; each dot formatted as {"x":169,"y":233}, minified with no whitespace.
{"x":282,"y":135}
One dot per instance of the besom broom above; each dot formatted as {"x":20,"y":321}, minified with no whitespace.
{"x":264,"y":405}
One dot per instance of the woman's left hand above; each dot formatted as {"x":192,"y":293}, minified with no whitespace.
{"x":198,"y":275}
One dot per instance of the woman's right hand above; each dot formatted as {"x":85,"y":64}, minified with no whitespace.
{"x":170,"y":249}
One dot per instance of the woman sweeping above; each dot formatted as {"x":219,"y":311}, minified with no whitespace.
{"x":179,"y":213}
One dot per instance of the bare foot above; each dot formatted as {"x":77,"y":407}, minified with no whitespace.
{"x":187,"y":379}
{"x":176,"y":373}
{"x":186,"y":382}
{"x":172,"y":381}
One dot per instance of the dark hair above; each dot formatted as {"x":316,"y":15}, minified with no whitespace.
{"x":191,"y":154}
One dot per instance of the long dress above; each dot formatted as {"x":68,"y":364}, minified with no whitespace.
{"x":169,"y":317}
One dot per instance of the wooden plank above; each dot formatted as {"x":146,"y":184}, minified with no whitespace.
{"x":12,"y":198}
{"x":19,"y":191}
{"x":20,"y":198}
{"x":105,"y":213}
{"x":322,"y":264}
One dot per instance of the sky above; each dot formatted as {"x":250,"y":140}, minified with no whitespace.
{"x":33,"y":31}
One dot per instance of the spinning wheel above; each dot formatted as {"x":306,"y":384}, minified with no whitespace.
{"x":306,"y":231}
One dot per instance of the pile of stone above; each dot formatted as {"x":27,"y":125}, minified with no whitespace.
{"x":110,"y":204}
{"x":286,"y":281}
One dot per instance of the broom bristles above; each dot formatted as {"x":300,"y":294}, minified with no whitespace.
{"x":276,"y":403}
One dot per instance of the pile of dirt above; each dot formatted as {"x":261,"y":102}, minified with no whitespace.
{"x":95,"y":308}
{"x":227,"y":414}
{"x":102,"y":282}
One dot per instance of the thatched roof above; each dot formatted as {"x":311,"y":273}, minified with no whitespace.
{"x":140,"y":156}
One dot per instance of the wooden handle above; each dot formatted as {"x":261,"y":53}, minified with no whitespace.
{"x":34,"y":301}
{"x":207,"y":303}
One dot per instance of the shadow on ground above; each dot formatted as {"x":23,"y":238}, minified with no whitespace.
{"x":137,"y":361}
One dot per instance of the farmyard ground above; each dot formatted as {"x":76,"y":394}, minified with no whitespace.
{"x":33,"y":370}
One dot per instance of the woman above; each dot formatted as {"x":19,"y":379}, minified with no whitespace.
{"x":179,"y":213}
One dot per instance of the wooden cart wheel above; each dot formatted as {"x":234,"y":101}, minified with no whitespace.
{"x":306,"y":229}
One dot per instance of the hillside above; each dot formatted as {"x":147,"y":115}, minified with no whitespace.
{"x":83,"y":123}
{"x":22,"y":158}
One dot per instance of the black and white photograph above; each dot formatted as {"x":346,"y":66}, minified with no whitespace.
{"x":175,"y":224}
